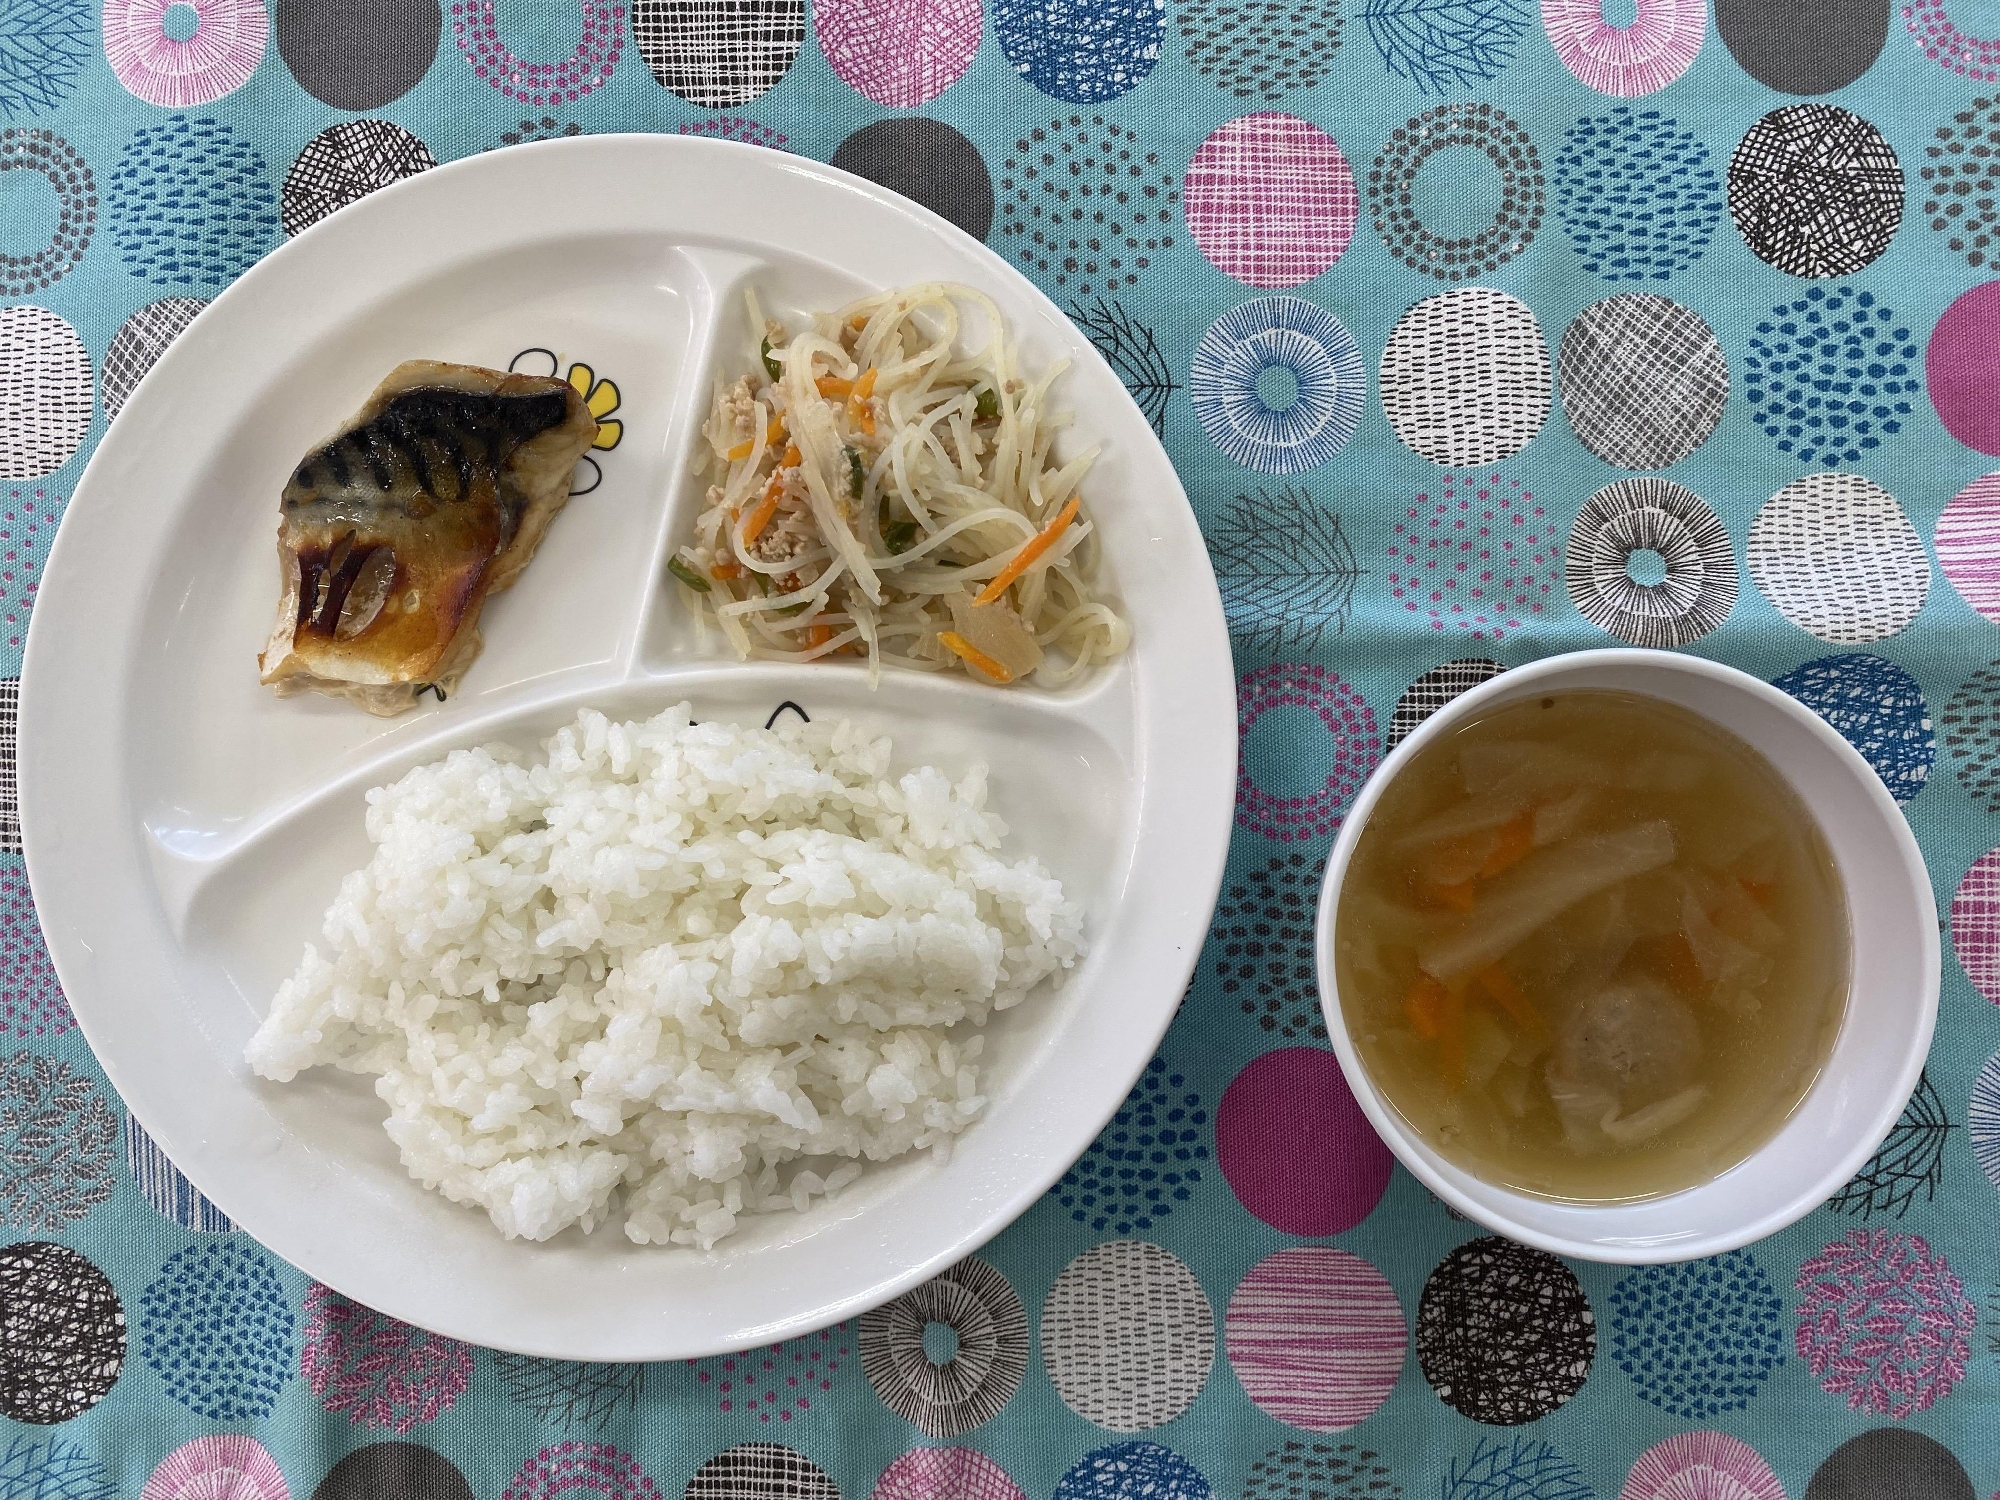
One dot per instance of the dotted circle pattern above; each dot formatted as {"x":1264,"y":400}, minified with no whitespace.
{"x":1392,"y":188}
{"x":1976,"y":58}
{"x":218,"y":1329}
{"x":588,"y":68}
{"x":1482,"y":557}
{"x":1127,"y":1335}
{"x":1831,"y":375}
{"x":1145,"y":1162}
{"x":191,"y":204}
{"x":1261,"y":946}
{"x":1261,"y":48}
{"x":1356,"y":747}
{"x":1962,"y":182}
{"x":1699,"y":1338}
{"x":46,"y":153}
{"x":1086,"y":205}
{"x":1638,"y":193}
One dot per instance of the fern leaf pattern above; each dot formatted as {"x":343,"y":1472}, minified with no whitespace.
{"x":1910,"y":1163}
{"x":1523,"y":1469}
{"x":1441,"y":45}
{"x":1131,"y":349}
{"x":1286,"y":569}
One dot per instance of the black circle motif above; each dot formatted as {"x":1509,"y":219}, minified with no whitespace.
{"x":345,"y":163}
{"x":62,"y":1333}
{"x":1433,"y":691}
{"x":1083,"y":204}
{"x":1504,"y":1333}
{"x":1262,"y":940}
{"x":760,"y":1471}
{"x":1962,"y":183}
{"x":717,"y":54}
{"x":1815,"y":190}
{"x":547,"y":128}
{"x":394,"y":1471}
{"x":1890,"y":1461}
{"x":69,"y":174}
{"x":1324,"y":1471}
{"x":138,"y":344}
{"x":979,"y":1305}
{"x":1650,"y":514}
{"x":358,"y":54}
{"x":1643,"y":378}
{"x":1261,"y":48}
{"x":925,"y":160}
{"x":1523,"y":191}
{"x":1971,"y":725}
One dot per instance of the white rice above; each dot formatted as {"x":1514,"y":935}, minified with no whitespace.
{"x":688,"y":970}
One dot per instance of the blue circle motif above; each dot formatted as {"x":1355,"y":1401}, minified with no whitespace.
{"x":1831,"y":374}
{"x":1982,"y":1119}
{"x":1698,"y":1338}
{"x":192,"y":204}
{"x":219,"y":1330}
{"x":1310,"y":345}
{"x":1133,"y":1471}
{"x":1638,"y":193}
{"x":1444,"y":45}
{"x":1145,"y":1161}
{"x":44,"y":45}
{"x":1878,"y":709}
{"x":1081,"y":51}
{"x":166,"y":1187}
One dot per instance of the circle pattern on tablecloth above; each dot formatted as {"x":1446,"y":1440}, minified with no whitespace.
{"x":1890,"y":1460}
{"x":218,"y":59}
{"x":1698,"y":1338}
{"x":1145,"y":1162}
{"x":1967,"y":539}
{"x":1976,"y":58}
{"x":602,"y":43}
{"x":1878,"y":708}
{"x":374,"y":1370}
{"x":1884,"y":1322}
{"x":1830,"y":375}
{"x":1701,"y":1466}
{"x":224,"y":1466}
{"x":1270,"y":199}
{"x":162,"y":1184}
{"x":140,"y":341}
{"x":1466,"y":378}
{"x":1433,"y":690}
{"x":1260,"y":947}
{"x":1308,"y":344}
{"x":346,"y":162}
{"x":719,"y":54}
{"x":1516,"y":1468}
{"x":55,"y":159}
{"x":1971,"y":725}
{"x":574,"y":1471}
{"x":1624,"y":231}
{"x":218,"y":1329}
{"x":737,"y":128}
{"x":1982,"y":1111}
{"x":1482,"y":557}
{"x":45,"y":395}
{"x":1962,"y":183}
{"x":1285,"y":565}
{"x":1845,"y":37}
{"x":1088,"y":205}
{"x":1349,"y":721}
{"x":1975,"y":926}
{"x":1644,"y":380}
{"x":1836,"y":556}
{"x":32,"y":1003}
{"x":62,"y":1333}
{"x":1127,"y":1335}
{"x":1261,"y":48}
{"x":972,"y":1387}
{"x":1133,"y":1471}
{"x":783,"y":1380}
{"x":761,"y":1471}
{"x":1650,"y":514}
{"x":1316,"y":1337}
{"x":191,"y":204}
{"x":945,"y":1474}
{"x":1815,"y":190}
{"x":1328,"y":1471}
{"x":898,"y":53}
{"x":58,"y":1139}
{"x":1504,"y":1333}
{"x":394,"y":1471}
{"x":571,"y":1393}
{"x":1962,"y":366}
{"x":1392,"y":189}
{"x":358,"y":54}
{"x":1444,"y":48}
{"x":1295,"y":1147}
{"x":925,"y":160}
{"x":1628,"y":61}
{"x":43,"y":50}
{"x":1081,"y":54}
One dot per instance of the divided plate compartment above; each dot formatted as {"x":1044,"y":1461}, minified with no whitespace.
{"x":187,"y":829}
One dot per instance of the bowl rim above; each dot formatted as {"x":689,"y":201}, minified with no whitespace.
{"x":1400,"y":1137}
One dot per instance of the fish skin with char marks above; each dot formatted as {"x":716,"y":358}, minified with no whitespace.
{"x":394,"y":531}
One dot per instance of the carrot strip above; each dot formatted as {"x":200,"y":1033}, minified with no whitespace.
{"x":818,"y":635}
{"x":792,"y":458}
{"x":1424,"y":1005}
{"x":1031,"y":549}
{"x":972,"y":656}
{"x":741,"y":450}
{"x":1517,"y":838}
{"x":766,"y":508}
{"x":833,"y":387}
{"x":725,"y":570}
{"x":775,"y":431}
{"x":1763,"y":892}
{"x":1499,"y":984}
{"x":1451,"y":1038}
{"x":1673,"y":957}
{"x":1457,"y":896}
{"x":865,"y":386}
{"x":858,"y":322}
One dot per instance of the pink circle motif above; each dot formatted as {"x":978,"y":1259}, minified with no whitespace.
{"x":1975,"y":924}
{"x":31,"y":999}
{"x":1482,"y":557}
{"x":582,"y":1471}
{"x":589,"y":67}
{"x":738,"y":128}
{"x":1884,"y":1322}
{"x":1316,"y":1336}
{"x":227,"y":1466}
{"x":1626,"y":62}
{"x":1294,"y":1146}
{"x":227,"y":45}
{"x":1701,"y":1466}
{"x":374,"y":1370}
{"x":1356,"y":748}
{"x":945,"y":1474}
{"x":1270,"y":199}
{"x":782,"y":1380}
{"x":27,"y":526}
{"x":1968,"y":56}
{"x":898,"y":53}
{"x":1962,"y":368}
{"x":1968,"y":544}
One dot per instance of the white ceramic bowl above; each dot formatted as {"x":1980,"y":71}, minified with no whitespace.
{"x":1892,"y":999}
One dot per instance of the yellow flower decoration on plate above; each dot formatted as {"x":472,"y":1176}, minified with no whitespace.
{"x":601,"y":396}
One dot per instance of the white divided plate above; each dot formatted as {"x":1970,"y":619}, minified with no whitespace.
{"x":185,"y":829}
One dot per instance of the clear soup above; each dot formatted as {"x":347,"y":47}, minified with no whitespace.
{"x":1592,"y":946}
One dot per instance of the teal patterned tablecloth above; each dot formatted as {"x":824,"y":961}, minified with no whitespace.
{"x":1477,"y":332}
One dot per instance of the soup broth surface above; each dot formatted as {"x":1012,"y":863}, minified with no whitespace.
{"x":1592,"y":946}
